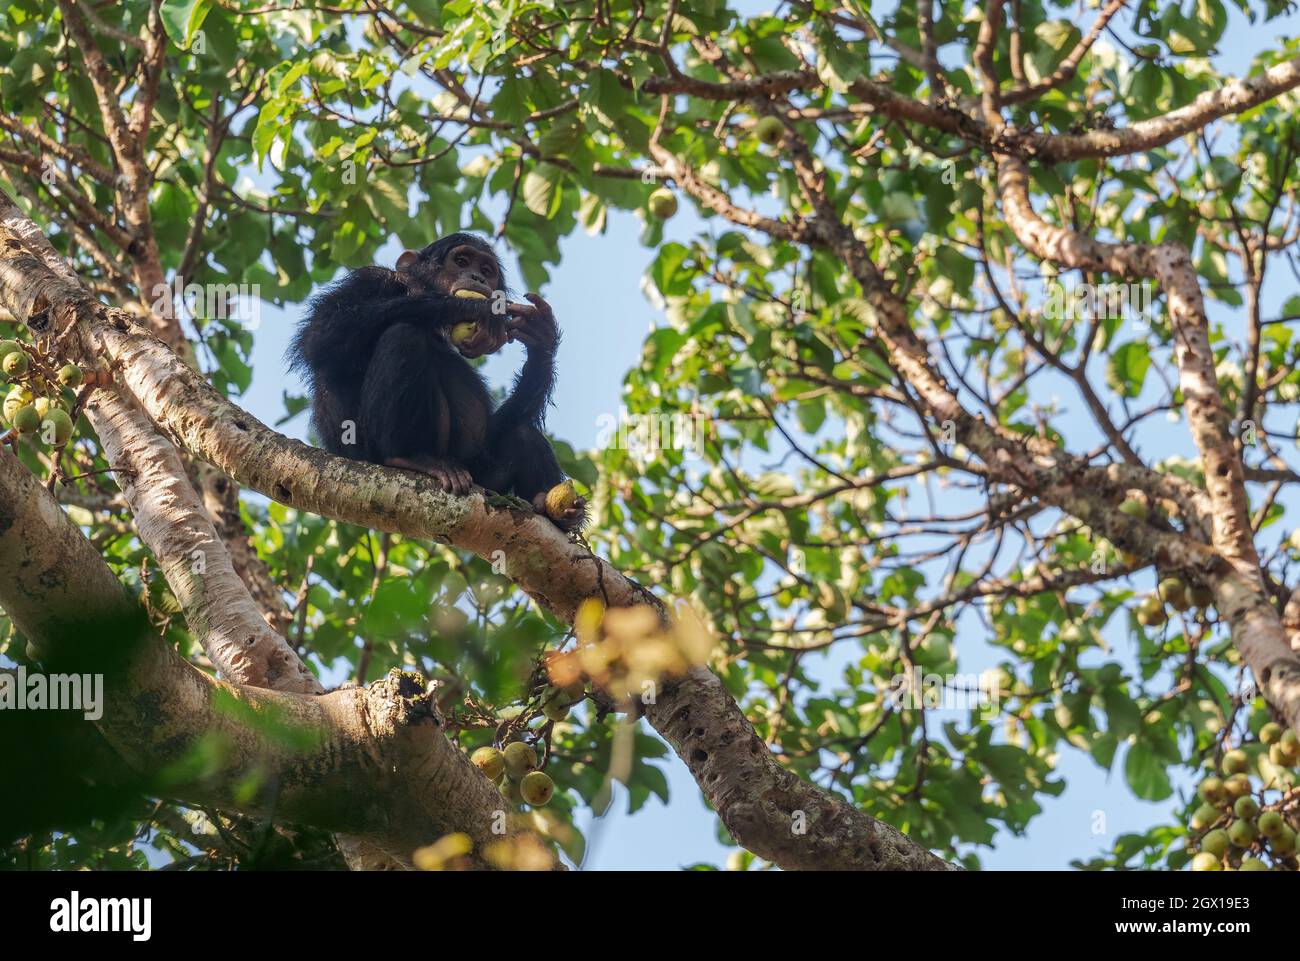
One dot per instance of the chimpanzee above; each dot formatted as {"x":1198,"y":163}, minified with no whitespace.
{"x":384,"y":354}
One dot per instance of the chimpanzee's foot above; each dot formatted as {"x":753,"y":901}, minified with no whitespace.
{"x":563,"y":506}
{"x":450,"y":477}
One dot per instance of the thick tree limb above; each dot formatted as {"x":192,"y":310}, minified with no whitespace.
{"x":696,"y":715}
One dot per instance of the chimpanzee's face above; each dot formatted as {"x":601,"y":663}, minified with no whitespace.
{"x":464,"y":267}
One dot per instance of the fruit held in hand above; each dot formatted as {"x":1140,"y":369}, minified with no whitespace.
{"x":15,"y":364}
{"x":560,"y":499}
{"x":536,"y":788}
{"x":490,"y":761}
{"x":462,"y":332}
{"x":70,"y":375}
{"x":466,"y":294}
{"x":520,"y":760}
{"x":770,"y":131}
{"x":662,"y":203}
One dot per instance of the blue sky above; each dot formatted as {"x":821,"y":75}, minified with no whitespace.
{"x":596,"y":293}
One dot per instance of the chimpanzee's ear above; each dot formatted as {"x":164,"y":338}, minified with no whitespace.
{"x":407,"y":258}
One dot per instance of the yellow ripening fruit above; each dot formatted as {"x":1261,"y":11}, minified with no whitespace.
{"x":70,"y":375}
{"x":490,"y":761}
{"x":1235,"y":761}
{"x":1237,"y":786}
{"x":1206,"y":862}
{"x":463,"y":332}
{"x":1174,"y":593}
{"x":560,"y":499}
{"x":1211,"y":790}
{"x":56,"y":427}
{"x":520,"y":760}
{"x":662,"y":203}
{"x":1270,"y":733}
{"x":536,"y":788}
{"x":1289,"y":743}
{"x":466,"y":294}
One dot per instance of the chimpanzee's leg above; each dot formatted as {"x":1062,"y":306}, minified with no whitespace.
{"x":404,"y":417}
{"x":523,"y":463}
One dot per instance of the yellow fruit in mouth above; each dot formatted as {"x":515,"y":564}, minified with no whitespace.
{"x":462,"y":332}
{"x":560,"y":498}
{"x":470,"y":295}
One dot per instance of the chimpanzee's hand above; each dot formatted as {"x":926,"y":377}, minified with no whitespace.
{"x":490,"y":335}
{"x":534,"y":326}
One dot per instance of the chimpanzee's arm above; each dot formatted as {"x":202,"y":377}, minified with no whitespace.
{"x":347,"y":320}
{"x":536,"y":329}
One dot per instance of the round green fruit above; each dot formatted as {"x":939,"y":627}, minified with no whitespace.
{"x":1242,"y":833}
{"x":1216,"y":842}
{"x":7,"y":347}
{"x":1151,"y":613}
{"x":536,"y":788}
{"x":1235,"y":762}
{"x":1211,"y":791}
{"x":1252,"y":864}
{"x":1271,"y":732}
{"x":770,"y":131}
{"x":1284,"y":844}
{"x":1206,"y":862}
{"x":56,"y":427}
{"x":16,"y":364}
{"x":70,"y":375}
{"x":520,"y":760}
{"x":1245,"y":807}
{"x":1174,"y":593}
{"x":662,"y":203}
{"x":26,"y":420}
{"x":1204,"y":816}
{"x":556,"y":709}
{"x":1271,"y":824}
{"x":490,"y":761}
